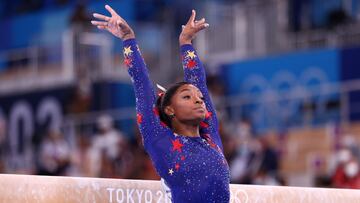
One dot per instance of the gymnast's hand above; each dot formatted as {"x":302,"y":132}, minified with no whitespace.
{"x":191,"y":28}
{"x":115,"y":24}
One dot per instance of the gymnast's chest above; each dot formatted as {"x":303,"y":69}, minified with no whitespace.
{"x":188,"y":157}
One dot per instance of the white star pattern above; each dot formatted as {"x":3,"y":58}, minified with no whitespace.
{"x":185,"y":140}
{"x":191,"y":54}
{"x":171,"y":171}
{"x":127,"y":51}
{"x":205,"y":142}
{"x":193,"y":79}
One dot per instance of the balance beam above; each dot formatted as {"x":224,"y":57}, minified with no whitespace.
{"x":46,"y":189}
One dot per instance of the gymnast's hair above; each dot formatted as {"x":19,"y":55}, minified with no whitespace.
{"x":164,"y":100}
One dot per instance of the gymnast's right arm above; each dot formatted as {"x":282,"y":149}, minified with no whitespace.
{"x":147,"y":119}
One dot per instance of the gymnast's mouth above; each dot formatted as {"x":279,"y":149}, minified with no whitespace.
{"x":199,"y":109}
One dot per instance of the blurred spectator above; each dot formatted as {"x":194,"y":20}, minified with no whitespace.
{"x":239,"y":160}
{"x":40,"y":133}
{"x":142,"y":166}
{"x":217,"y":93}
{"x":346,"y":174}
{"x":342,"y":157}
{"x":105,"y":145}
{"x":337,"y":17}
{"x":80,"y":19}
{"x":270,"y":161}
{"x":267,"y":172}
{"x":123,"y":163}
{"x":320,"y":171}
{"x":80,"y":23}
{"x":299,"y":14}
{"x":349,"y":142}
{"x":352,"y":175}
{"x":80,"y":157}
{"x":255,"y":160}
{"x":81,"y":98}
{"x":106,"y":169}
{"x":264,"y":178}
{"x":54,"y":155}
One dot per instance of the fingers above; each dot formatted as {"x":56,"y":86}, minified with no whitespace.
{"x":202,"y":21}
{"x":101,"y":17}
{"x":192,"y":17}
{"x":113,"y":13}
{"x":111,"y":22}
{"x":101,"y":27}
{"x":199,"y":25}
{"x":99,"y":23}
{"x":205,"y":25}
{"x":202,"y":26}
{"x":104,"y":25}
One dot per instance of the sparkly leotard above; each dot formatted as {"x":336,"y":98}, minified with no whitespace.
{"x":193,"y":167}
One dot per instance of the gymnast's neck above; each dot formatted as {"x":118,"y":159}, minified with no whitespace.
{"x":186,"y":129}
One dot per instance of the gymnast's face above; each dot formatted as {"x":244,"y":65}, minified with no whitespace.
{"x":187,"y":104}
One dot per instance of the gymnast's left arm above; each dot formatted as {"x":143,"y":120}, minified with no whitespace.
{"x":194,"y":72}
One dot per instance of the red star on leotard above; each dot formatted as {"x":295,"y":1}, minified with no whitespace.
{"x":156,"y":111}
{"x":212,"y":144}
{"x":177,"y":166}
{"x":203,"y":124}
{"x":139,"y":118}
{"x":182,"y":158}
{"x":191,"y":64}
{"x":209,"y":140}
{"x":163,"y":124}
{"x":177,"y":145}
{"x":208,"y":114}
{"x":127,"y":61}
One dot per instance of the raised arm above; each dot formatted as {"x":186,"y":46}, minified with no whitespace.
{"x":194,"y":73}
{"x":147,"y":119}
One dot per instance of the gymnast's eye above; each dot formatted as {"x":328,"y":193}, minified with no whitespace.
{"x":186,"y":97}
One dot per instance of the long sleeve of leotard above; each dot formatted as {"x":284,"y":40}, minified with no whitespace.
{"x":147,"y":119}
{"x":194,"y":73}
{"x":195,"y":169}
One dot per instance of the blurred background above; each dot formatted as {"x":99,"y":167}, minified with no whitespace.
{"x":284,"y":76}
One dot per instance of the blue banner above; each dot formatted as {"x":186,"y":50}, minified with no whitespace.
{"x":272,"y":86}
{"x":350,"y":70}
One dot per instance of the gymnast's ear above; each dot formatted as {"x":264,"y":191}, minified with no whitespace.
{"x":169,"y":110}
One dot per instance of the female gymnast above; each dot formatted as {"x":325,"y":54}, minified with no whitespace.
{"x":180,"y":127}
